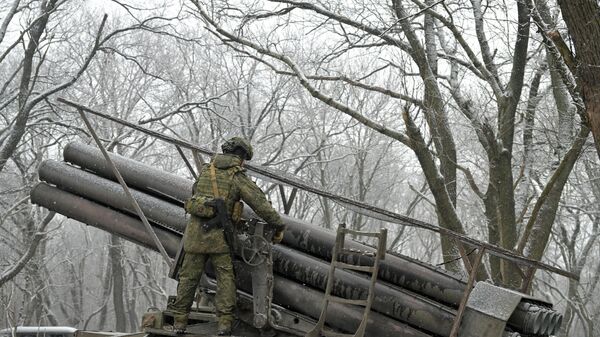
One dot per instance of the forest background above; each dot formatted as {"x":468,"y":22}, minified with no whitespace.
{"x":477,"y":116}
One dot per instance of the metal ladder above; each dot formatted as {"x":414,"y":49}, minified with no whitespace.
{"x":338,"y":249}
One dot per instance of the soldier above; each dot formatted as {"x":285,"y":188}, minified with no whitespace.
{"x":224,"y":177}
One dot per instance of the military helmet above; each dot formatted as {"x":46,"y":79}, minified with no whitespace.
{"x":238,"y":143}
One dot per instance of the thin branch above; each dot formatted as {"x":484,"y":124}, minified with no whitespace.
{"x":342,"y":78}
{"x":266,"y":15}
{"x":86,"y":63}
{"x":186,"y":107}
{"x":412,"y":16}
{"x":20,"y":264}
{"x":421,"y":195}
{"x":496,"y":87}
{"x":13,"y":207}
{"x":343,"y":19}
{"x":304,"y":81}
{"x":471,"y":181}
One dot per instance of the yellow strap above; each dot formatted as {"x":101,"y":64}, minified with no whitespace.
{"x":213,"y":179}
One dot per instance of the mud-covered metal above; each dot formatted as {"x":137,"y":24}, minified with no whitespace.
{"x":138,"y":175}
{"x":307,"y":301}
{"x":534,"y":319}
{"x":491,"y":309}
{"x":397,"y":303}
{"x":393,"y":301}
{"x":262,"y":282}
{"x":408,"y":273}
{"x":94,"y":214}
{"x":286,"y":292}
{"x":110,"y":193}
{"x":161,"y":194}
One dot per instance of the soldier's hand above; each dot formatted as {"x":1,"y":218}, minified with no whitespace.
{"x":277,"y":237}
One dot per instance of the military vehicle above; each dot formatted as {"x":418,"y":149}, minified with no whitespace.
{"x":281,"y":288}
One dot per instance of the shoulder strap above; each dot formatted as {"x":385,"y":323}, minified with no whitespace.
{"x":213,"y":179}
{"x":235,"y":170}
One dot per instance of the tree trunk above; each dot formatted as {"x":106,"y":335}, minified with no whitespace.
{"x":491,"y":214}
{"x":437,"y":120}
{"x":583,"y":21}
{"x":538,"y":229}
{"x":106,"y":288}
{"x":325,"y":203}
{"x":568,"y":315}
{"x":501,"y":165}
{"x":8,"y":147}
{"x":116,"y":262}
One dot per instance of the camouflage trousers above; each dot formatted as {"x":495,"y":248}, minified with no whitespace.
{"x":189,"y":279}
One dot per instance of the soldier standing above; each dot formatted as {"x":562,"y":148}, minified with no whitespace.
{"x":224,"y":178}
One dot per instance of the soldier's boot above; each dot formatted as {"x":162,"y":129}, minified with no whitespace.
{"x":224,"y":332}
{"x":180,"y":324}
{"x":224,"y":328}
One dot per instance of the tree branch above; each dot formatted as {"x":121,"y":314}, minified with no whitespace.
{"x":304,"y":81}
{"x":382,"y":34}
{"x":15,"y":134}
{"x":37,"y":237}
{"x":542,"y":214}
{"x":496,"y":87}
{"x":342,"y":78}
{"x":8,"y":18}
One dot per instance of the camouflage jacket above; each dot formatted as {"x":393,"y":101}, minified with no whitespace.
{"x":233,"y":185}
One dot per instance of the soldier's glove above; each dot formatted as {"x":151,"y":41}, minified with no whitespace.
{"x":278,"y":237}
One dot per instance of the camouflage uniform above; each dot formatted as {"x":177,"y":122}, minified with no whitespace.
{"x":199,"y":246}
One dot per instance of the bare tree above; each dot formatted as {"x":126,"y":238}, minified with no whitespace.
{"x":28,"y":95}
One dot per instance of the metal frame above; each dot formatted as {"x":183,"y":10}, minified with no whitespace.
{"x":187,"y":162}
{"x":472,"y":270}
{"x":379,"y":255}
